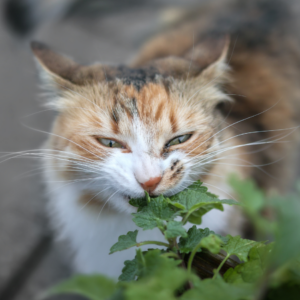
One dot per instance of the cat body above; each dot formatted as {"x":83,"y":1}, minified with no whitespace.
{"x":216,"y":95}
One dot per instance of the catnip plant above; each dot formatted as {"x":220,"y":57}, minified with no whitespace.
{"x":261,"y":270}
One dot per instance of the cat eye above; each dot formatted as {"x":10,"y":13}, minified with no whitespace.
{"x":178,"y":140}
{"x":110,"y":143}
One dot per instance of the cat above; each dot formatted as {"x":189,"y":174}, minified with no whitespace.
{"x":217,"y":94}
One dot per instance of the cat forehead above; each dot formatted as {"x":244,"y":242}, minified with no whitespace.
{"x":147,"y":101}
{"x":141,"y":96}
{"x":135,"y":77}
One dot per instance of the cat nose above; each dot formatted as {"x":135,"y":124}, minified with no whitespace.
{"x":151,"y":184}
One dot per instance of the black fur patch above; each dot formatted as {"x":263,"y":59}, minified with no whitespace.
{"x":136,"y":77}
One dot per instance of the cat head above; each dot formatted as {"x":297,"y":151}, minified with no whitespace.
{"x":122,"y":130}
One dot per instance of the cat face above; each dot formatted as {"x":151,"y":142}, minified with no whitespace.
{"x":137,"y":130}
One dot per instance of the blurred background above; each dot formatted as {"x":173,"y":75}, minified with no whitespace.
{"x":88,"y":31}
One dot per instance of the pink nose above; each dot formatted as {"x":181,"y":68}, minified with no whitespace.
{"x":151,"y":184}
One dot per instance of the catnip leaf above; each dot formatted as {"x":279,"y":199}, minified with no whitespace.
{"x":160,"y":277}
{"x":238,"y":246}
{"x":286,"y":230}
{"x":139,"y":203}
{"x":253,"y":269}
{"x":153,"y":215}
{"x":125,"y":242}
{"x":252,"y":197}
{"x":196,"y":201}
{"x":196,"y":216}
{"x":130,"y":270}
{"x":212,"y":243}
{"x":254,"y":202}
{"x":194,"y":237}
{"x":218,"y":289}
{"x":152,"y":260}
{"x":118,"y":295}
{"x":93,"y":287}
{"x":174,"y":229}
{"x":289,"y":273}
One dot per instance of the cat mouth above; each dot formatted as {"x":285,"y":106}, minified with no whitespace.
{"x":126,"y":197}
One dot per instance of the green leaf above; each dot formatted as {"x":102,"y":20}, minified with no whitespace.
{"x":118,"y":295}
{"x":252,"y":270}
{"x":196,"y":196}
{"x":194,"y":236}
{"x":160,"y":278}
{"x":152,"y":260}
{"x":140,"y":202}
{"x":153,"y":215}
{"x":195,"y":201}
{"x":94,"y":287}
{"x":288,"y":273}
{"x":196,"y":216}
{"x":287,"y":209}
{"x":174,"y":229}
{"x":130,"y":270}
{"x":238,"y":246}
{"x":125,"y":242}
{"x":254,"y":201}
{"x":251,"y":196}
{"x":212,"y":243}
{"x":217,"y":289}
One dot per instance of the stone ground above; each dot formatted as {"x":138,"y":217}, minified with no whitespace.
{"x":29,"y":260}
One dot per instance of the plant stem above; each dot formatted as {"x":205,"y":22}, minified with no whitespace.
{"x":173,"y":243}
{"x":184,"y":220}
{"x":220,"y":266}
{"x":190,"y":261}
{"x":152,"y":243}
{"x":171,"y":254}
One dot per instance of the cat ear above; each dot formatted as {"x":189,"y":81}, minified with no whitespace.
{"x":55,"y":70}
{"x":58,"y":71}
{"x":210,"y":52}
{"x":210,"y":56}
{"x":207,"y":59}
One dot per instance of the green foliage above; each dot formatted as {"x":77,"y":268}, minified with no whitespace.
{"x":287,"y":211}
{"x":238,"y":246}
{"x":195,"y":201}
{"x":267,"y":271}
{"x":174,"y":229}
{"x":218,"y":289}
{"x":212,"y":243}
{"x":159,"y":278}
{"x":125,"y":242}
{"x":253,"y":269}
{"x":194,"y":237}
{"x":154,"y":214}
{"x":93,"y":287}
{"x":130,"y":271}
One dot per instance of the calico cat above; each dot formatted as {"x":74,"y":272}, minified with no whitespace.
{"x":217,"y":94}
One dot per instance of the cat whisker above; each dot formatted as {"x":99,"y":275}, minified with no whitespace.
{"x":106,"y":203}
{"x":226,"y":127}
{"x":64,"y":138}
{"x":217,"y":152}
{"x":87,"y":203}
{"x":264,"y":141}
